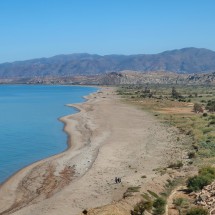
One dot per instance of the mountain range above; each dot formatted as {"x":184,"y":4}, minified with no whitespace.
{"x":185,"y":61}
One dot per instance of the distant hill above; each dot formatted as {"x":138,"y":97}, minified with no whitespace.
{"x":122,"y":78}
{"x":186,"y":61}
{"x":130,"y":77}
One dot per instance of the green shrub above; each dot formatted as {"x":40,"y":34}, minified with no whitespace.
{"x":148,"y":205}
{"x":204,"y":114}
{"x":207,"y":130}
{"x":206,"y":176}
{"x":198,"y":182}
{"x":139,"y":209}
{"x":207,"y":170}
{"x":197,"y":211}
{"x":212,"y":117}
{"x":146,"y":196}
{"x":159,"y":206}
{"x":210,"y":105}
{"x":180,"y":202}
{"x":191,"y":155}
{"x":212,"y":122}
{"x":175,"y":94}
{"x":152,"y":193}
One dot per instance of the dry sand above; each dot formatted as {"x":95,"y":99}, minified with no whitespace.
{"x":108,"y":138}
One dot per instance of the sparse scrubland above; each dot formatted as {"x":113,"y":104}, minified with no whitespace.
{"x":191,"y":110}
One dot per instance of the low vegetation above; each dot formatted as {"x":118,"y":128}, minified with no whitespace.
{"x":153,"y":194}
{"x":154,"y":205}
{"x":139,"y":209}
{"x":197,"y":211}
{"x":205,"y":177}
{"x":159,"y":206}
{"x":181,"y":204}
{"x":176,"y":165}
{"x":130,"y":190}
{"x":191,"y":109}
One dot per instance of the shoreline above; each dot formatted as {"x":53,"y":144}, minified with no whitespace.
{"x":108,"y":138}
{"x":70,"y":145}
{"x":63,"y":120}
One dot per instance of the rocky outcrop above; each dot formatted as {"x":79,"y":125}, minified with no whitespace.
{"x":131,"y":77}
{"x":206,"y":198}
{"x":121,"y":78}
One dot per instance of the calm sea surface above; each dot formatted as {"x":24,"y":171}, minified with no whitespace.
{"x":29,"y":125}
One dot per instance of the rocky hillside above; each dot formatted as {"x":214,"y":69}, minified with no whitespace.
{"x":121,"y":78}
{"x":130,"y":77}
{"x":186,"y":61}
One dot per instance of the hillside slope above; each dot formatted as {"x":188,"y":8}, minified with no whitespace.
{"x":187,"y":60}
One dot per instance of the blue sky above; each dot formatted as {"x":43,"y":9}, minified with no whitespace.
{"x":43,"y":28}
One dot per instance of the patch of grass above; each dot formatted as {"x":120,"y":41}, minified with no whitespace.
{"x":207,"y":130}
{"x":155,"y":195}
{"x":133,"y":189}
{"x":130,"y":190}
{"x":171,"y":184}
{"x":139,"y":209}
{"x":212,"y":122}
{"x":146,"y":196}
{"x":197,"y":211}
{"x":176,"y":165}
{"x":181,"y":202}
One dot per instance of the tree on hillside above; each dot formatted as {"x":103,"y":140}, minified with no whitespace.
{"x":175,"y":94}
{"x":197,"y":108}
{"x":210,"y":105}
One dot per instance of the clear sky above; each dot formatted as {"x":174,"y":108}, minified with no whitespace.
{"x":43,"y":28}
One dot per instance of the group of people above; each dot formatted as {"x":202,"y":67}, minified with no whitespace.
{"x":117,"y":180}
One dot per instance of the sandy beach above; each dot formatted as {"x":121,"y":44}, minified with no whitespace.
{"x":107,"y":138}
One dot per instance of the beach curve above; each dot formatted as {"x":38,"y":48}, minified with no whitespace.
{"x":111,"y":138}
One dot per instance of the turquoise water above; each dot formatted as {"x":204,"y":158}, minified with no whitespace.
{"x":29,"y":125}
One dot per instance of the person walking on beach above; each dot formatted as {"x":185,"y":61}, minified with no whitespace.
{"x":119,"y":180}
{"x":116,"y":180}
